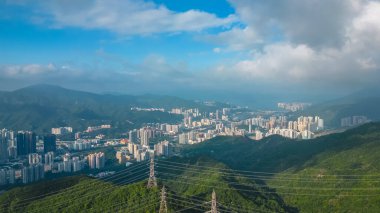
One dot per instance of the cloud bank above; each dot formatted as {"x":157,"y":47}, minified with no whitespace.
{"x":311,"y":46}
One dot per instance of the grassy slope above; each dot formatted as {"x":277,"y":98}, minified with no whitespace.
{"x":311,"y":167}
{"x":85,"y":195}
{"x":196,"y":182}
{"x":337,"y":193}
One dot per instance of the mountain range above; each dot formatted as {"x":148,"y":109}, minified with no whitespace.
{"x":41,"y":107}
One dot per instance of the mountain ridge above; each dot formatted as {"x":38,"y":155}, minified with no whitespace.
{"x":41,"y":107}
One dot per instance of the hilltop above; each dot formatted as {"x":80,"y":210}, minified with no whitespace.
{"x":338,"y":172}
{"x":41,"y":107}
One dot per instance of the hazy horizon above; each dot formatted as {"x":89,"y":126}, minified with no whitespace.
{"x":234,"y":50}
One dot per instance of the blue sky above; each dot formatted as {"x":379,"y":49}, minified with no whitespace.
{"x":286,"y":50}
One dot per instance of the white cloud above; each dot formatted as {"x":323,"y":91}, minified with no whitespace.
{"x":317,"y":23}
{"x":236,"y":39}
{"x":128,"y":17}
{"x":27,"y":69}
{"x":302,"y":63}
{"x":216,"y":50}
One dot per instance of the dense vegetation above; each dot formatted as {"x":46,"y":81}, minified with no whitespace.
{"x":42,"y":107}
{"x":186,"y":188}
{"x":335,"y":173}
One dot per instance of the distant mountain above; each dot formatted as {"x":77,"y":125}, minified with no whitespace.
{"x":365,"y":102}
{"x":334,"y":173}
{"x":41,"y":107}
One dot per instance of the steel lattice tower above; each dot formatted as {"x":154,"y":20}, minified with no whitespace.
{"x":152,"y":182}
{"x":214,"y":204}
{"x":163,"y":205}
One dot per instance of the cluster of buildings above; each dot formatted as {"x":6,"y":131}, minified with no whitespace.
{"x":147,"y":109}
{"x":80,"y":144}
{"x":139,"y":152}
{"x":96,"y":160}
{"x":353,"y":121}
{"x":303,"y":128}
{"x":26,"y":157}
{"x":145,"y":134}
{"x":61,"y":130}
{"x":32,"y":162}
{"x":132,"y":152}
{"x":293,"y":106}
{"x":96,"y":128}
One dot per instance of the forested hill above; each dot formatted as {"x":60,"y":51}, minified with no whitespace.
{"x":334,"y":173}
{"x":42,"y":107}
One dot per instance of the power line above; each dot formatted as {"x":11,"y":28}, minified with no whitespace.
{"x":268,"y":173}
{"x":95,"y":193}
{"x":93,"y":181}
{"x":218,"y":187}
{"x":231,"y":206}
{"x":271,"y":186}
{"x":321,"y":179}
{"x":121,"y":205}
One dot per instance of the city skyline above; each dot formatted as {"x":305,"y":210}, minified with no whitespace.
{"x":235,"y":48}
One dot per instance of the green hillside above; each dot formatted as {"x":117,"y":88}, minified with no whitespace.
{"x":334,"y":173}
{"x":42,"y":107}
{"x":188,"y":189}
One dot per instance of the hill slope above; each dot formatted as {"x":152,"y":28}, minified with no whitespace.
{"x":42,"y":107}
{"x":334,"y":173}
{"x":188,"y":189}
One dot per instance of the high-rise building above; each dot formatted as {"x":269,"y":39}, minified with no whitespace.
{"x":67,"y":165}
{"x":39,"y":171}
{"x":163,"y":148}
{"x":50,"y":143}
{"x":77,"y":164}
{"x":12,"y":152}
{"x":34,"y":158}
{"x":25,"y":175}
{"x":3,"y":177}
{"x":61,"y":130}
{"x":132,"y":136}
{"x":12,"y":176}
{"x":183,"y":138}
{"x":120,"y":156}
{"x":145,"y":138}
{"x":3,"y":147}
{"x":26,"y":143}
{"x":49,"y":158}
{"x":131,"y":148}
{"x":33,"y":173}
{"x":96,"y":160}
{"x":100,"y":160}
